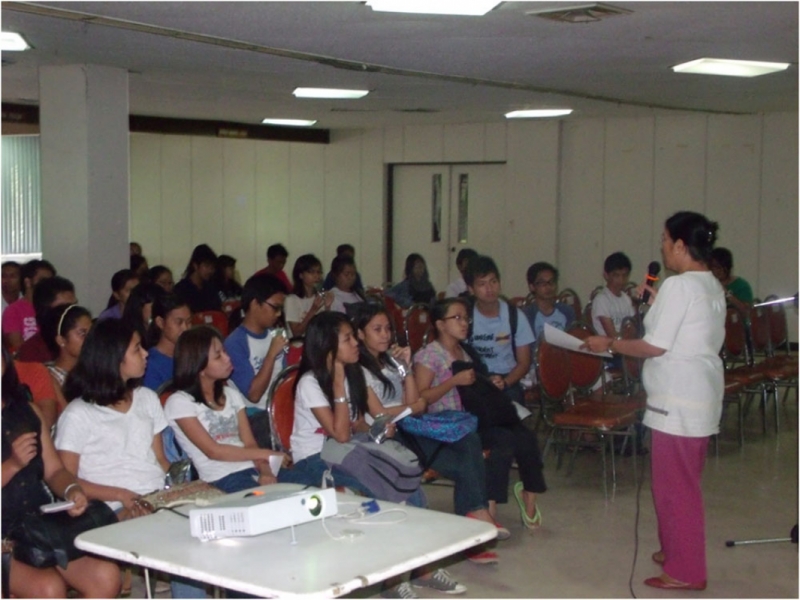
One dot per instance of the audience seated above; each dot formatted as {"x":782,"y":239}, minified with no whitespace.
{"x":135,"y":248}
{"x":344,"y":291}
{"x":416,"y":287}
{"x":139,"y":308}
{"x":11,"y":283}
{"x":140,"y":267}
{"x":738,"y":292}
{"x":308,"y":298}
{"x":228,"y":288}
{"x":257,"y":350}
{"x":170,"y":318}
{"x":19,"y":319}
{"x":276,"y":261}
{"x":612,"y":304}
{"x":29,"y":462}
{"x":209,"y":418}
{"x":48,"y":293}
{"x":437,"y":384}
{"x":330,"y":279}
{"x":161,"y":275}
{"x":197,"y":287}
{"x":122,"y":283}
{"x":458,"y":286}
{"x":543,"y":284}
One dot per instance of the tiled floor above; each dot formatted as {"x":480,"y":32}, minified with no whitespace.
{"x":587,"y":545}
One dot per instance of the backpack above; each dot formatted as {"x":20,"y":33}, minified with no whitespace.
{"x":389,"y":470}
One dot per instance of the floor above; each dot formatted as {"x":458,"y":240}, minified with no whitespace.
{"x":587,"y":545}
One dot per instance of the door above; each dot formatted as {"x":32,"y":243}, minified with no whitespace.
{"x":440,"y":209}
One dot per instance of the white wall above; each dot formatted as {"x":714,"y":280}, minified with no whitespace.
{"x":576,"y":191}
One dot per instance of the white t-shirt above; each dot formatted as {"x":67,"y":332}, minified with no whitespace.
{"x":341,"y":298}
{"x":221,"y":425}
{"x":456,"y":288}
{"x":307,"y":434}
{"x":116,"y":449}
{"x":388,"y":397}
{"x":616,"y":308}
{"x":686,"y":384}
{"x":296,"y":308}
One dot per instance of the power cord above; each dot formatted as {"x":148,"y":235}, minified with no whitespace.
{"x":636,"y":525}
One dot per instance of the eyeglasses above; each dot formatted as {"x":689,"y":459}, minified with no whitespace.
{"x":459,"y":319}
{"x":544,"y":283}
{"x":277,"y":309}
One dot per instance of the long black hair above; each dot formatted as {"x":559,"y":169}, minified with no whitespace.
{"x":361,"y":315}
{"x":96,"y":377}
{"x":191,"y":357}
{"x":322,"y":341}
{"x":13,"y":389}
{"x":304,"y":263}
{"x":162,"y":306}
{"x":696,"y":232}
{"x":141,"y":295}
{"x":59,"y":321}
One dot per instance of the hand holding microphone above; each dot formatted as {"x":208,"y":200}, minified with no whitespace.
{"x":646,"y":290}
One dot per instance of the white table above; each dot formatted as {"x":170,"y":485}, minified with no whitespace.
{"x":269,"y":565}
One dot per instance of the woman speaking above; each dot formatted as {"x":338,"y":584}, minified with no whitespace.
{"x":684,"y":381}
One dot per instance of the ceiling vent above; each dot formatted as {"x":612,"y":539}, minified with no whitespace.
{"x":580,"y":13}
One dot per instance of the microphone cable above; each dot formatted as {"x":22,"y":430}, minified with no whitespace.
{"x":636,"y":524}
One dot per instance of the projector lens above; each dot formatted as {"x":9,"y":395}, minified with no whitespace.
{"x":314,"y":506}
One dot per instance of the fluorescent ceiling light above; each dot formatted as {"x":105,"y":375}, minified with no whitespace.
{"x":542,"y":112}
{"x":733,"y":68}
{"x":435,"y":7}
{"x":308,"y":92}
{"x":289,"y":122}
{"x":12,"y":41}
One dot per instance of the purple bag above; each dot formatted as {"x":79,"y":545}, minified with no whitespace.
{"x":445,"y":426}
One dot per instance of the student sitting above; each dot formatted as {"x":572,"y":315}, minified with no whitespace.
{"x":330,"y":279}
{"x":256,"y":349}
{"x":307,"y":299}
{"x":737,"y":291}
{"x":197,"y":287}
{"x":140,"y":267}
{"x":276,"y":261}
{"x":171,"y":317}
{"x":209,"y":419}
{"x":29,"y":462}
{"x":228,"y":288}
{"x":48,"y":294}
{"x":611,"y":305}
{"x":343,"y":269}
{"x":416,"y":287}
{"x":161,"y":275}
{"x":122,"y":283}
{"x":458,"y":286}
{"x":139,"y":308}
{"x":19,"y":319}
{"x":543,"y":284}
{"x":11,"y":283}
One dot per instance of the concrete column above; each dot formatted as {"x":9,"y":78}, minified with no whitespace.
{"x":84,"y":165}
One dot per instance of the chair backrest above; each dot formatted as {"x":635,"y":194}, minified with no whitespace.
{"x":570,"y":297}
{"x":596,"y":291}
{"x":735,"y":346}
{"x":552,"y":369}
{"x":587,"y":316}
{"x":759,"y":330}
{"x":398,"y":320}
{"x":280,"y":408}
{"x":214,"y":318}
{"x":295,"y":352}
{"x":629,"y":330}
{"x":778,"y":330}
{"x":584,"y":369}
{"x":418,"y":327}
{"x":231,"y":305}
{"x":164,"y":391}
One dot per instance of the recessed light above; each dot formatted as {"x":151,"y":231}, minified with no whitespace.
{"x":289,"y":122}
{"x":538,"y":113}
{"x":308,"y":92}
{"x":10,"y":41}
{"x":732,"y":68}
{"x":435,"y":7}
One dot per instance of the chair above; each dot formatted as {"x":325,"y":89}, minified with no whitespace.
{"x":596,"y":291}
{"x":776,"y":314}
{"x":398,"y":320}
{"x":215,"y":318}
{"x":295,"y":351}
{"x":230,"y":306}
{"x":570,"y":297}
{"x":418,"y":327}
{"x":280,"y":408}
{"x":631,"y":366}
{"x":779,"y":370}
{"x":587,"y":316}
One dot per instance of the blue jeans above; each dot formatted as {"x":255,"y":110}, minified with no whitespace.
{"x":186,"y":588}
{"x":236,"y":482}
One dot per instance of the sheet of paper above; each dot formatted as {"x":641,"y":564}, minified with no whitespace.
{"x":568,"y":342}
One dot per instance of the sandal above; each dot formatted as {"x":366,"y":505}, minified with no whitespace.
{"x":533,"y":522}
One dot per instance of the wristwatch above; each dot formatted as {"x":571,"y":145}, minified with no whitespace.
{"x":342,"y":400}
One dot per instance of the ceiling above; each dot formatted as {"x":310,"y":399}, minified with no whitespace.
{"x":240,"y":61}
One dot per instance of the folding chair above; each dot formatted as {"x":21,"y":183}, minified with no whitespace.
{"x":215,"y":318}
{"x":418,"y":327}
{"x":280,"y":407}
{"x":570,"y":297}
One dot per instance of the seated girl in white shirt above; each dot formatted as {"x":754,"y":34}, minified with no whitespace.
{"x":301,"y":306}
{"x":209,"y":417}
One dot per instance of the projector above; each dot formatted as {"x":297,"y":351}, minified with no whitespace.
{"x":261,"y":512}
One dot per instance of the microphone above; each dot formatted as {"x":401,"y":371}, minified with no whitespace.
{"x":653,"y":269}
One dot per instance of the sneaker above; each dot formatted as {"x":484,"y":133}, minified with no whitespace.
{"x":441,"y":581}
{"x":485,"y":557}
{"x":404,"y":590}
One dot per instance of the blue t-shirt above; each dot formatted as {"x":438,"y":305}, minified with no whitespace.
{"x":247,"y":351}
{"x":491,"y":337}
{"x":158,"y":371}
{"x":560,"y":318}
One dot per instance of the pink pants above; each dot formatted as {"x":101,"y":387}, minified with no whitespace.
{"x":677,"y":468}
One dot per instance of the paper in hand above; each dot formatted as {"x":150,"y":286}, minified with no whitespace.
{"x":564,"y":340}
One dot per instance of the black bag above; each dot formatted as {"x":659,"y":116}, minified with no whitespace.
{"x":47,"y":540}
{"x":484,"y":399}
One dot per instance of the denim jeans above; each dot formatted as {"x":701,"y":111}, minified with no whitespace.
{"x":236,"y":482}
